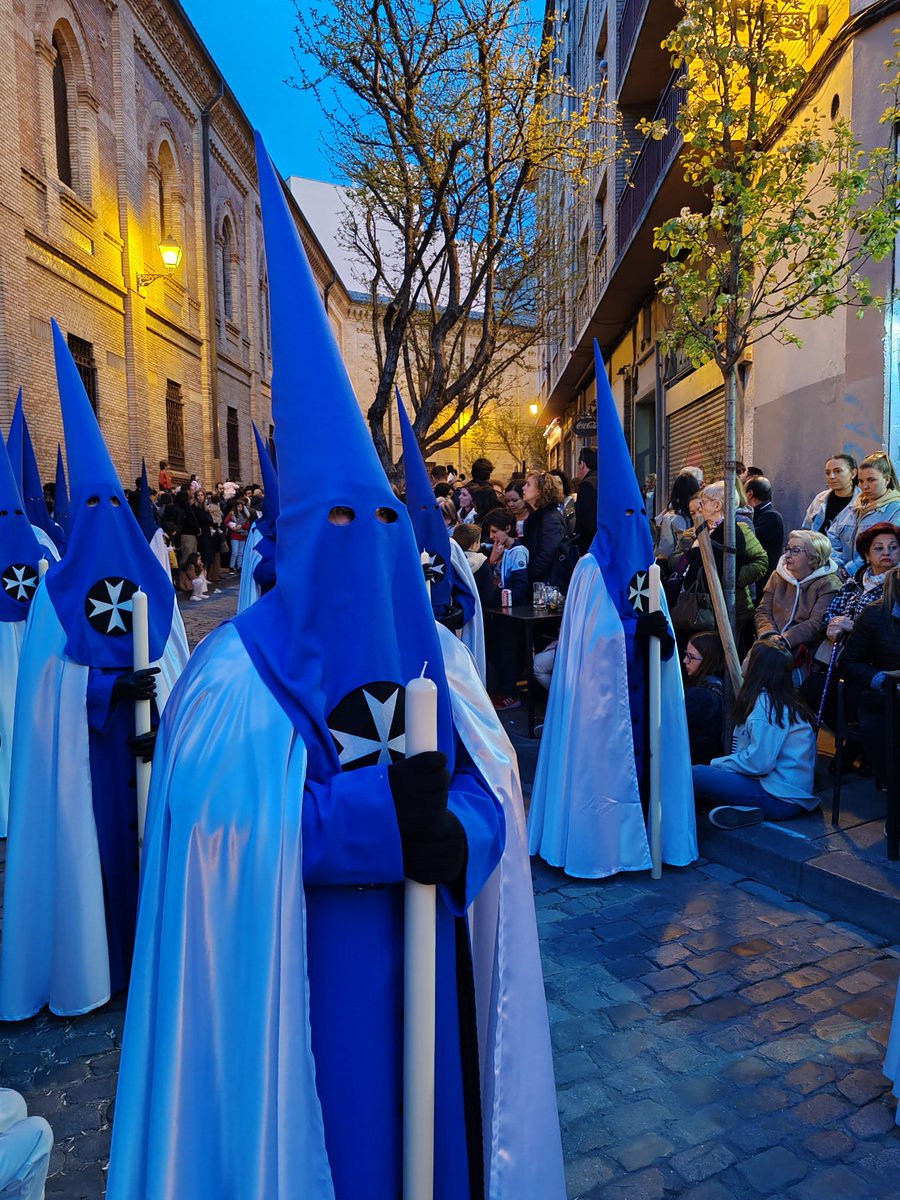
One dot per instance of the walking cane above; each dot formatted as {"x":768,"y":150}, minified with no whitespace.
{"x":835,"y":650}
{"x":419,"y":979}
{"x":140,"y":633}
{"x":655,"y":694}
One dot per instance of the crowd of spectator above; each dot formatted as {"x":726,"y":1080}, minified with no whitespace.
{"x":516,"y":533}
{"x":814,"y":605}
{"x":205,"y":531}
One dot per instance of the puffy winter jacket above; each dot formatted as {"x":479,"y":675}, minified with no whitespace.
{"x":849,"y":524}
{"x":796,"y":608}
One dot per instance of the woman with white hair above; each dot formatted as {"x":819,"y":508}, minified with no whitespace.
{"x":799,"y":591}
{"x":752,"y":560}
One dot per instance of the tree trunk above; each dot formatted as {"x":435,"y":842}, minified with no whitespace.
{"x":729,"y":572}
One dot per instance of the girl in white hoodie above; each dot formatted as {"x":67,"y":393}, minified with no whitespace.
{"x":769,"y":773}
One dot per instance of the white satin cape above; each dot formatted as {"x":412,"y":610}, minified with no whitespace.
{"x":161,"y":551}
{"x":248,"y":591}
{"x":472,"y":633}
{"x":54,"y":948}
{"x":47,"y":542}
{"x":585,"y":814}
{"x":216,"y":1093}
{"x":11,"y":636}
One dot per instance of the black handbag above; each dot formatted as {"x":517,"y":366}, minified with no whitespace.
{"x":693,"y":610}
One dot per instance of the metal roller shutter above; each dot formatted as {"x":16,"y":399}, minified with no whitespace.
{"x":696,"y":437}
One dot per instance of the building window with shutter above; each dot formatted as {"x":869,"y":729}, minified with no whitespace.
{"x":233,"y":435}
{"x":175,"y":425}
{"x":83,"y":353}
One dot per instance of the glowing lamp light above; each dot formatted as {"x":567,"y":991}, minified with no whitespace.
{"x":170,"y":252}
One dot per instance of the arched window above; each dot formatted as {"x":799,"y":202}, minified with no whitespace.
{"x":61,"y":115}
{"x":265,"y":330}
{"x":227,"y":281}
{"x":168,"y":178}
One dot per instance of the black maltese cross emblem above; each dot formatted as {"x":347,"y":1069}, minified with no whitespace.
{"x":368,"y":726}
{"x":108,"y":606}
{"x":20,"y":582}
{"x":639,"y":592}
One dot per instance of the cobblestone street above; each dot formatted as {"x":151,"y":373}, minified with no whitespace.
{"x":713,"y":1041}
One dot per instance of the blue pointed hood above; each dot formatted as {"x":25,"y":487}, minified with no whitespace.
{"x":61,"y":495}
{"x":264,"y":572}
{"x":33,"y":494}
{"x":432,"y":535}
{"x":15,"y":440}
{"x":145,"y":516}
{"x":20,"y":550}
{"x":271,"y":503}
{"x":108,"y":557}
{"x":348,"y":622}
{"x":623,"y":546}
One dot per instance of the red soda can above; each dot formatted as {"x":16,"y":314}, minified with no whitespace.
{"x":506,"y":598}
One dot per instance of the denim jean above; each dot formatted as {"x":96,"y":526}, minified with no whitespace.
{"x":713,"y":785}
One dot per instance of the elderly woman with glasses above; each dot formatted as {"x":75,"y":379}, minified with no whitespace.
{"x":799,"y":591}
{"x":752,"y":560}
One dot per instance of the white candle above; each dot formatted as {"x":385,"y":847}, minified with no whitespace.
{"x":42,"y":567}
{"x":421,"y":715}
{"x":419,"y":979}
{"x":655,"y":733}
{"x":140,"y":633}
{"x":425,"y":560}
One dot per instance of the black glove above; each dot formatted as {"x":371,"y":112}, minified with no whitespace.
{"x":454,"y":618}
{"x":142,"y":745}
{"x":654,"y":624}
{"x":420,"y":786}
{"x":139,"y":685}
{"x":438,"y":854}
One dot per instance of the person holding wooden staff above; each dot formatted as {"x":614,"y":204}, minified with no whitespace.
{"x":72,"y":858}
{"x":593,"y":773}
{"x":267,"y":1004}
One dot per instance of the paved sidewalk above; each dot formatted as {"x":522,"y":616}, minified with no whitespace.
{"x":713,"y":1040}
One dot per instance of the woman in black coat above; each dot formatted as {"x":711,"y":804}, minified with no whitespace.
{"x":872,"y":649}
{"x":704,"y":670}
{"x":545,"y":528}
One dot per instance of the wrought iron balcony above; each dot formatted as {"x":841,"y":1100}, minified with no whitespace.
{"x":629,"y":23}
{"x":650,"y":167}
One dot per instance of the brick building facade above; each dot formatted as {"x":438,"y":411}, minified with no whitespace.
{"x":116,"y":131}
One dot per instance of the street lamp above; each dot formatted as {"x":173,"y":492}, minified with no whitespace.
{"x":534,"y":409}
{"x":170,"y":252}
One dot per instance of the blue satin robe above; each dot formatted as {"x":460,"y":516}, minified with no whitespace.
{"x":352,"y":868}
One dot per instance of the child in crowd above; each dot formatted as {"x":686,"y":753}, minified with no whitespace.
{"x":769,"y":773}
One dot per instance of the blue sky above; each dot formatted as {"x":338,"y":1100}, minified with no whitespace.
{"x":255,"y":62}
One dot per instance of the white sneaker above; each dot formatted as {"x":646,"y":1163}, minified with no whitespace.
{"x":735,"y":816}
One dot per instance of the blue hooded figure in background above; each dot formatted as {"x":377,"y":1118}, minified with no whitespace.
{"x":16,"y":447}
{"x":258,"y":574}
{"x":454,"y":595}
{"x":20,"y":554}
{"x":150,"y":528}
{"x":33,"y":495}
{"x":268,"y":979}
{"x":71,"y":899}
{"x":586,"y":811}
